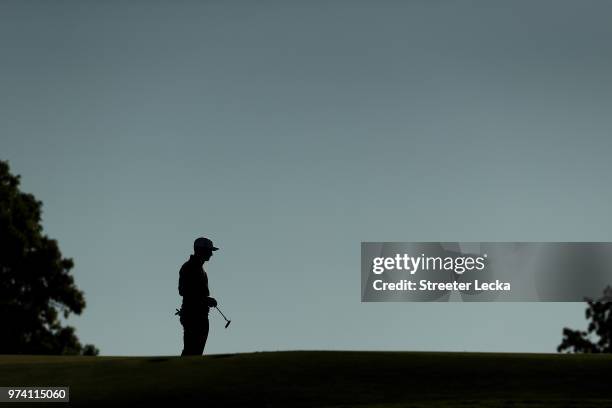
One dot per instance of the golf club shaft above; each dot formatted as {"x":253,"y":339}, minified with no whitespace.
{"x":222,"y":314}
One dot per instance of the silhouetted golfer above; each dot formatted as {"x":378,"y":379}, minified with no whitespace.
{"x":193,"y":287}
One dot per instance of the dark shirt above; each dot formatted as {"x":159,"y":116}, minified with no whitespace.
{"x":193,"y":287}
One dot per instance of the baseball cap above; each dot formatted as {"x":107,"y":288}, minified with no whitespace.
{"x":204,"y":243}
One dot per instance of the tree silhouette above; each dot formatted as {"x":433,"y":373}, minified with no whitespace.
{"x":35,"y":284}
{"x":598,"y":336}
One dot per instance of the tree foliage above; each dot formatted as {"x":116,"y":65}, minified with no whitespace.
{"x":598,"y":336}
{"x":36,"y":287}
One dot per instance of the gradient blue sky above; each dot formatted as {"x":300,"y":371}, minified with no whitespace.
{"x":289,"y":132}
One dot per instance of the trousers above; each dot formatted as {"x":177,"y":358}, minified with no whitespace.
{"x":195,"y":334}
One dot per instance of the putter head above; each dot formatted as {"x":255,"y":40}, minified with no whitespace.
{"x":227,"y":324}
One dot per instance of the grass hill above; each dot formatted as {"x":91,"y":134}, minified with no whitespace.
{"x":323,"y":379}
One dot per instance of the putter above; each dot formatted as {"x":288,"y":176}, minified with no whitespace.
{"x":228,"y":321}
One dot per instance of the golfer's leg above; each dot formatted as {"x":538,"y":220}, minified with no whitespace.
{"x":185,"y":342}
{"x":203,"y":336}
{"x":190,"y":338}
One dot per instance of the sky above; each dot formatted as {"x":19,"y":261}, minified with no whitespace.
{"x":289,"y":132}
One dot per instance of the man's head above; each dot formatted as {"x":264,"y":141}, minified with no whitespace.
{"x":203,"y":248}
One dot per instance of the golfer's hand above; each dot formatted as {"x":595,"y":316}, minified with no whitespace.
{"x":212,"y":302}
